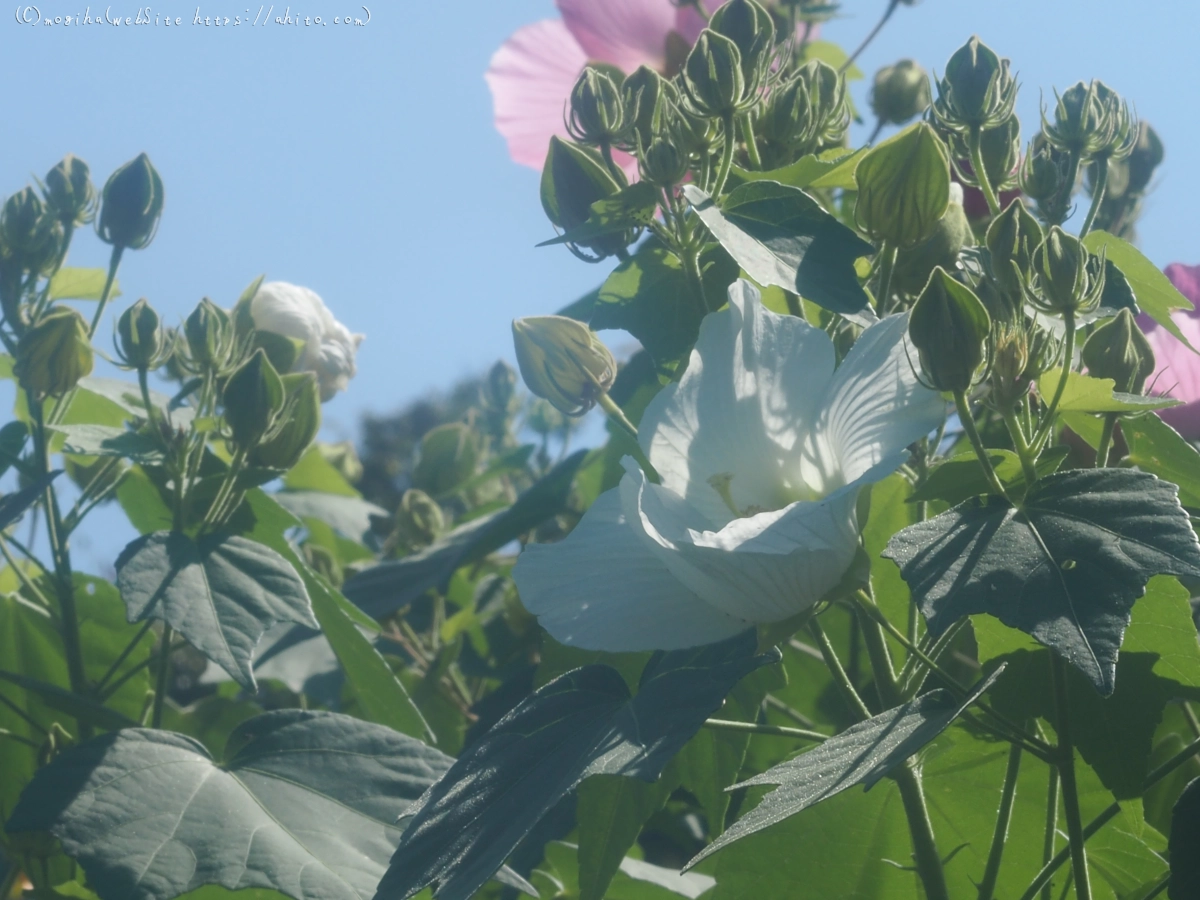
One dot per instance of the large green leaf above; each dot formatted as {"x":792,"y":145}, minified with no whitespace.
{"x":306,"y":804}
{"x":1154,"y":292}
{"x":1084,"y":393}
{"x":1154,"y":446}
{"x":583,"y":723}
{"x":13,"y":506}
{"x":72,"y":283}
{"x":650,"y":296}
{"x":106,"y":440}
{"x":862,"y":754}
{"x":629,"y":209}
{"x":351,"y":516}
{"x":314,"y":472}
{"x":782,"y":237}
{"x":1185,"y":841}
{"x":961,"y":477}
{"x":1065,"y":566}
{"x":610,"y":812}
{"x":383,"y":589}
{"x":830,"y":169}
{"x":221,"y":593}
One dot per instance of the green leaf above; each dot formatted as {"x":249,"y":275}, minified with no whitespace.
{"x":862,"y":754}
{"x":610,"y":812}
{"x":630,"y":208}
{"x":221,"y":593}
{"x":70,"y":283}
{"x":350,"y":516}
{"x":104,"y":440}
{"x":1154,"y":446}
{"x":903,"y":187}
{"x":383,"y":589}
{"x":650,"y":296}
{"x":306,"y":804}
{"x":584,"y":723}
{"x":1154,"y":292}
{"x":634,"y":879}
{"x":1185,"y":838}
{"x":314,"y":472}
{"x":781,"y":236}
{"x":961,"y":477}
{"x":829,"y":169}
{"x":1084,"y":393}
{"x":1065,"y":566}
{"x":13,"y":506}
{"x":891,"y":510}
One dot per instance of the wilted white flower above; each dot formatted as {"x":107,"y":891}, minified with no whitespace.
{"x":761,"y":448}
{"x":299,"y":313}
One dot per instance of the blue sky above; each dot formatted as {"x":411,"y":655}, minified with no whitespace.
{"x":361,"y":161}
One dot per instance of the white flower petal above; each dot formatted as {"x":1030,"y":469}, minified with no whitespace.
{"x":754,"y":384}
{"x":876,"y":406}
{"x":601,"y":589}
{"x":762,"y":568}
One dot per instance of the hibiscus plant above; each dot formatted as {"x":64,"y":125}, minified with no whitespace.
{"x":879,"y":587}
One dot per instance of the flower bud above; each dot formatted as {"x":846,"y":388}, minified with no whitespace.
{"x":296,"y":427}
{"x":750,"y":27}
{"x":563,"y":361}
{"x":1011,"y":239}
{"x":1146,"y":156}
{"x":209,"y":334}
{"x":131,"y":205}
{"x":903,"y":187}
{"x":253,"y":399}
{"x":806,"y":114}
{"x":140,"y":336}
{"x":1045,"y":172}
{"x":574,"y":178}
{"x":448,"y":457}
{"x":900,"y":92}
{"x":644,"y":94}
{"x":713,"y":78}
{"x":419,"y":519}
{"x":597,"y":111}
{"x":1000,"y":148}
{"x":500,"y":388}
{"x":949,"y":327}
{"x":1063,"y":282}
{"x":1118,"y":350}
{"x":950,"y":235}
{"x":30,"y":234}
{"x":663,"y":164}
{"x":977,"y":90}
{"x":343,"y":457}
{"x":1010,"y":359}
{"x":54,"y":354}
{"x":70,"y":195}
{"x":1091,"y":120}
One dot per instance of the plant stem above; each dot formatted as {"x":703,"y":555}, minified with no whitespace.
{"x":113,"y":262}
{"x":1068,"y":361}
{"x":980,"y":171}
{"x":6,"y":735}
{"x":22,"y":715}
{"x":755,"y":728}
{"x":112,"y":670}
{"x":925,"y":852}
{"x":751,"y":144}
{"x":1106,"y":436}
{"x":968,"y":424}
{"x":1066,"y":771}
{"x":887,"y":263}
{"x":727,"y":129}
{"x":613,"y":168}
{"x":617,"y":415}
{"x":1018,"y":438}
{"x":1042,"y":881}
{"x":794,"y":714}
{"x":9,"y":881}
{"x":164,"y":667}
{"x":881,"y":658}
{"x":1008,"y":796}
{"x":1097,"y":195}
{"x":887,"y":14}
{"x":849,"y":694}
{"x":25,"y":580}
{"x":1051,"y":828}
{"x":691,"y":268}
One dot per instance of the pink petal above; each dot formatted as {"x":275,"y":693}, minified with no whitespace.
{"x":1177,"y":374}
{"x":1187,"y":280}
{"x":531,"y":77}
{"x":623,"y":33}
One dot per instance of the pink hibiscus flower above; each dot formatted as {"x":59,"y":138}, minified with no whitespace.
{"x":1177,"y":368}
{"x":532,"y":74}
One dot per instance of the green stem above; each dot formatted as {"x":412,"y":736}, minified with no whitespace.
{"x":112,"y":670}
{"x":751,"y":145}
{"x":215,"y":514}
{"x":1051,"y":831}
{"x":1042,"y":881}
{"x":887,"y":264}
{"x":1062,"y":202}
{"x":6,"y":735}
{"x":727,"y":126}
{"x":887,"y":14}
{"x":980,"y":171}
{"x":1068,"y":361}
{"x":113,"y":262}
{"x":164,"y":668}
{"x":22,"y":715}
{"x":1018,"y":438}
{"x":617,"y":415}
{"x":25,"y":580}
{"x":1106,"y":436}
{"x":794,"y":714}
{"x":881,"y":658}
{"x":9,"y":881}
{"x":849,"y":694}
{"x":691,"y":268}
{"x":968,"y":424}
{"x":1008,"y":796}
{"x":613,"y":168}
{"x":755,"y":728}
{"x":1097,"y":195}
{"x":1066,"y":771}
{"x":925,"y":852}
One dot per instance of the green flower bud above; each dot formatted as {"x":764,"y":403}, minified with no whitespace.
{"x":663,"y":163}
{"x":1011,"y":240}
{"x":1146,"y":156}
{"x":977,"y":90}
{"x":950,"y":235}
{"x":900,"y":92}
{"x":448,"y":457}
{"x":750,"y":27}
{"x":343,"y":457}
{"x":1118,"y":350}
{"x":1000,"y":148}
{"x":296,"y":426}
{"x":253,"y":399}
{"x":949,"y":327}
{"x":29,"y":233}
{"x":419,"y":519}
{"x":563,"y":361}
{"x":806,"y":114}
{"x":210,"y":336}
{"x":500,"y":388}
{"x":70,"y":195}
{"x":1045,"y":172}
{"x":597,"y":111}
{"x":713,"y":80}
{"x":903,"y":187}
{"x":1063,"y":282}
{"x":574,"y":178}
{"x":54,"y":354}
{"x":131,"y":205}
{"x":644,"y":95}
{"x":1010,"y":359}
{"x":140,"y":336}
{"x":1091,"y":120}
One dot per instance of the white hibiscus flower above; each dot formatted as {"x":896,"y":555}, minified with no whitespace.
{"x":761,"y":448}
{"x":299,"y":313}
